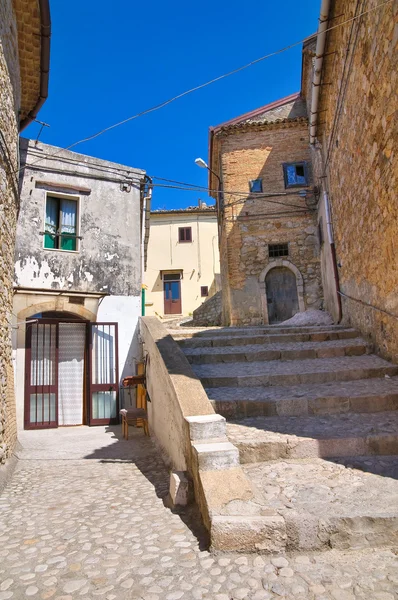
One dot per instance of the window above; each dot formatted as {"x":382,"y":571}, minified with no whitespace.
{"x":204,"y":291}
{"x":172,"y":276}
{"x":185,"y":234}
{"x":295,"y":174}
{"x":277,"y":250}
{"x":256,"y":185}
{"x":60,"y":230}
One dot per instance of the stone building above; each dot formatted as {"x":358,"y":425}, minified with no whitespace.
{"x":269,"y":249}
{"x":77,"y":289}
{"x":24,"y":69}
{"x":353,"y":140}
{"x":183,"y":264}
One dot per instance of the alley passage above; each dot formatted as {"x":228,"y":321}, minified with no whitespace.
{"x":83,"y":518}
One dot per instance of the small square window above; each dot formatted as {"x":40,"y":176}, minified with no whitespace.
{"x":204,"y":291}
{"x":185,"y":234}
{"x":256,"y":185}
{"x":60,"y":231}
{"x":278,"y":250}
{"x":295,"y":174}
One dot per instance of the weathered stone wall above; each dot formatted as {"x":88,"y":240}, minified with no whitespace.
{"x":9,"y":105}
{"x":358,"y":127}
{"x":253,"y":222}
{"x":209,"y":313}
{"x":108,"y":196}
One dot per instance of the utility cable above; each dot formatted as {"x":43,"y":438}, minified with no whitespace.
{"x":211,"y":81}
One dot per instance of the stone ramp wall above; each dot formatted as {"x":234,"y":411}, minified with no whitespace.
{"x":209,"y":313}
{"x":194,"y":438}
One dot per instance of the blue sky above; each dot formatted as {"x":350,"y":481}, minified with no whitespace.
{"x":112,"y":60}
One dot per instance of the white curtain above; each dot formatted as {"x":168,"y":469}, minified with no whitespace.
{"x":68,"y":216}
{"x":51,"y":215}
{"x":71,"y":373}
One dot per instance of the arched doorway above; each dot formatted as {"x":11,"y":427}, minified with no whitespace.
{"x":71,"y":367}
{"x":281,"y":294}
{"x":282,"y":291}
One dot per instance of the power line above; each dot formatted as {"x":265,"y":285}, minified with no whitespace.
{"x":244,"y":194}
{"x":211,"y":81}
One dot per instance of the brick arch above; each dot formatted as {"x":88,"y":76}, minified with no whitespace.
{"x":279,"y":262}
{"x":54,"y":306}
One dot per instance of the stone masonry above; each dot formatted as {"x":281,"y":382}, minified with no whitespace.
{"x":209,"y":313}
{"x":314,"y":416}
{"x":356,"y":150}
{"x":9,"y":106}
{"x":258,"y":148}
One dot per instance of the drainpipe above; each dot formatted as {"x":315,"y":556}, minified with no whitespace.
{"x":333,"y":251}
{"x":199,"y":259}
{"x":316,"y":81}
{"x":146,"y":216}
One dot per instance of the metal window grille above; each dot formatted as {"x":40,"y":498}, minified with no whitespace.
{"x":278,"y":250}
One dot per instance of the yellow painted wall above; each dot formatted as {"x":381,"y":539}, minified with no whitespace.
{"x":198,"y":260}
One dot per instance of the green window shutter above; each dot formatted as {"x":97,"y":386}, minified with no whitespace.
{"x":67,"y":242}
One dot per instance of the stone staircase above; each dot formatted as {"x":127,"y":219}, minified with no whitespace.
{"x":314,"y":415}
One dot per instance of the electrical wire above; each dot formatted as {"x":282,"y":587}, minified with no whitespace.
{"x":211,"y":81}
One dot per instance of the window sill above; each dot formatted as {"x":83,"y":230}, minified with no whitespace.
{"x":61,"y":250}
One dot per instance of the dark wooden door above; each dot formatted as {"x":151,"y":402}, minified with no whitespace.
{"x":281,"y":292}
{"x":172,"y":297}
{"x":103,"y":374}
{"x":41,"y":375}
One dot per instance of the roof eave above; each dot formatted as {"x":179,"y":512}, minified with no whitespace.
{"x":45,"y":34}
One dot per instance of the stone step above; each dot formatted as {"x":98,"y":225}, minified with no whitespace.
{"x":327,"y":505}
{"x":294,"y":372}
{"x":277,"y":351}
{"x":271,"y":438}
{"x":360,"y":396}
{"x":264,"y":329}
{"x":321,"y":335}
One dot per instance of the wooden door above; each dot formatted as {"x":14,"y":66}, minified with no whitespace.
{"x":41,"y":375}
{"x":103,"y":374}
{"x":172,"y":297}
{"x":281,"y":292}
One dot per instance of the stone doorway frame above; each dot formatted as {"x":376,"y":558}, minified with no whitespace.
{"x":280,"y":262}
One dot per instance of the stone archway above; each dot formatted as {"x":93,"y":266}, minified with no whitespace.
{"x":281,"y":263}
{"x":54,"y":305}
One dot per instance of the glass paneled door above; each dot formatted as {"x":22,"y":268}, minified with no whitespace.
{"x":41,"y":375}
{"x":103,"y":377}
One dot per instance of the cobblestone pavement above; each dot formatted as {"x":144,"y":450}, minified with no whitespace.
{"x":83,"y":518}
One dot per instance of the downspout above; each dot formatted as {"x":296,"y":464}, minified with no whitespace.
{"x":316,"y":84}
{"x":146,"y":216}
{"x":316,"y":81}
{"x":199,"y":259}
{"x":333,"y":251}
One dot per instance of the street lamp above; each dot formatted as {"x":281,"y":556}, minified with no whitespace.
{"x":203,"y":165}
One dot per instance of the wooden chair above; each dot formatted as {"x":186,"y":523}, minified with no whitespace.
{"x":133,"y":416}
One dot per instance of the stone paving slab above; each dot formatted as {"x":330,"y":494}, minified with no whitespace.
{"x":237,"y":339}
{"x":367,"y":395}
{"x":277,"y":351}
{"x":292,"y":372}
{"x":329,"y":504}
{"x":351,"y":434}
{"x":83,"y":518}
